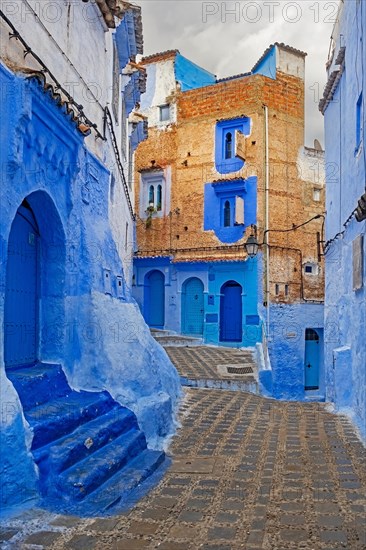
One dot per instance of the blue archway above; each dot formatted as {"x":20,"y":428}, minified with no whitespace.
{"x":192,"y":306}
{"x":154,"y":299}
{"x":21,"y":292}
{"x":231,"y":315}
{"x":34,"y":287}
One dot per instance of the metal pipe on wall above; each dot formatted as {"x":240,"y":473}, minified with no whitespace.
{"x":266,"y":223}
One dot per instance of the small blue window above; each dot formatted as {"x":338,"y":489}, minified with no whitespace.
{"x":227,"y":214}
{"x":226,"y":160}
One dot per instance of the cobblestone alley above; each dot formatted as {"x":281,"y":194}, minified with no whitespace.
{"x":246,"y":472}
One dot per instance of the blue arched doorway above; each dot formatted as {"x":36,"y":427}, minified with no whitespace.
{"x":192,"y":306}
{"x":22,"y":290}
{"x":154,"y":302}
{"x":231,"y":312}
{"x":312,"y":359}
{"x":35,"y":284}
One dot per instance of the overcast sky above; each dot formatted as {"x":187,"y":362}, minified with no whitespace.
{"x":230,"y":43}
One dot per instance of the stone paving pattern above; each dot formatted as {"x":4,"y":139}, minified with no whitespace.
{"x":247,"y":472}
{"x":201,"y":362}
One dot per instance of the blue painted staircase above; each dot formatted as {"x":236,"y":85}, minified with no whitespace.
{"x":90,"y":451}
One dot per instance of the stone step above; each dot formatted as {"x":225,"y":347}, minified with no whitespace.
{"x":84,"y":440}
{"x":92,"y":472}
{"x":39,"y":383}
{"x":156,"y":332}
{"x":119,"y":489}
{"x":59,"y":417}
{"x":249,"y":384}
{"x":80,"y":441}
{"x":177,"y":340}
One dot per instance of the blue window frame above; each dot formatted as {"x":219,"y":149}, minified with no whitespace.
{"x":225,"y":159}
{"x":229,"y":207}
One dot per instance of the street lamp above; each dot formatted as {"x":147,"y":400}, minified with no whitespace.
{"x":251,"y":246}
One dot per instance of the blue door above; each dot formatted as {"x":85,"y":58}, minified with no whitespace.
{"x":231,"y":312}
{"x":312,"y":358}
{"x":21,"y":299}
{"x":155,"y":299}
{"x":192,"y":307}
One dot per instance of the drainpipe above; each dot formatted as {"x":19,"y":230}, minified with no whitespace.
{"x":266,"y":223}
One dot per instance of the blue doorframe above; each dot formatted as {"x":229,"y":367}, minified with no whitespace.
{"x":231,"y":312}
{"x":312,"y":359}
{"x":192,"y":307}
{"x":154,"y":299}
{"x":21,"y":292}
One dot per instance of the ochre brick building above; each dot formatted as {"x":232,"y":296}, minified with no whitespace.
{"x":225,"y":159}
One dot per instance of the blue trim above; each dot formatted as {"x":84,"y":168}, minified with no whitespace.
{"x":233,"y":164}
{"x":267,"y":67}
{"x":215,"y":195}
{"x":190,"y":76}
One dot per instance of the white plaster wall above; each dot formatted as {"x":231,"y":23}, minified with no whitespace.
{"x":311,"y":166}
{"x":160,"y":85}
{"x":290,"y":63}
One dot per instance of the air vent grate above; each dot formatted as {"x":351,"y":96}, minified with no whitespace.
{"x":239,"y":370}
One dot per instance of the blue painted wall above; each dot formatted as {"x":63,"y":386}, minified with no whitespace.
{"x":267,"y":67}
{"x":214,"y":199}
{"x":191,"y":76}
{"x":286,"y":345}
{"x":97,"y":335}
{"x":345,"y":311}
{"x":213,"y":276}
{"x":233,"y":164}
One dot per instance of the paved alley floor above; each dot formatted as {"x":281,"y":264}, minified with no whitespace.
{"x":247,"y":472}
{"x":205,"y":362}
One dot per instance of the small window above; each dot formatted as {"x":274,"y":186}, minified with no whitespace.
{"x":277,"y":289}
{"x":359,"y":122}
{"x":316,"y":195}
{"x":112,"y":188}
{"x":126,"y":237}
{"x":158,"y":198}
{"x":286,"y":290}
{"x":151,"y":195}
{"x":311,"y":268}
{"x":164,"y":113}
{"x":227,"y":214}
{"x":228,"y":145}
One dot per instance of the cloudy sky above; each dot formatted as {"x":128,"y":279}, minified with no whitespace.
{"x":227,"y":38}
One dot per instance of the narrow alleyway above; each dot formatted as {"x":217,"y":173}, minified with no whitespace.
{"x":247,"y":472}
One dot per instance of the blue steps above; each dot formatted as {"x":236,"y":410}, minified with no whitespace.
{"x":89,"y":449}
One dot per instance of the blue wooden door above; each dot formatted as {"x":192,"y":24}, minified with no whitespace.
{"x":192,"y":307}
{"x":155,"y":299}
{"x":312,"y":358}
{"x":21,"y":299}
{"x":231,"y":312}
